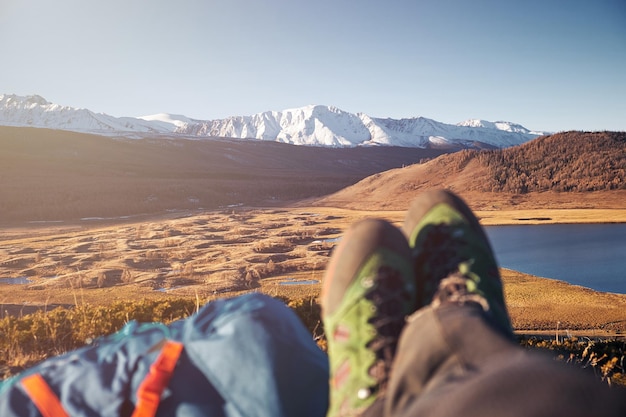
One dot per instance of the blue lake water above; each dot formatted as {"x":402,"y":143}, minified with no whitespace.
{"x":304,"y":282}
{"x":18,"y":281}
{"x":591,"y":255}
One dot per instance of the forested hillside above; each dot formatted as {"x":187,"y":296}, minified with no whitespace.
{"x":570,"y":161}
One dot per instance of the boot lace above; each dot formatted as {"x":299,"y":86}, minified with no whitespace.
{"x":388,"y":295}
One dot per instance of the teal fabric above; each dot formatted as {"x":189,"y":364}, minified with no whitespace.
{"x":244,"y":356}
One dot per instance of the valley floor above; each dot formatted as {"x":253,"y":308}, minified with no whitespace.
{"x":222,"y":253}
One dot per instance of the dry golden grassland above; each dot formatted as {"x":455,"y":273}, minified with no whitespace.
{"x":221,"y":253}
{"x":548,"y":216}
{"x":206,"y":255}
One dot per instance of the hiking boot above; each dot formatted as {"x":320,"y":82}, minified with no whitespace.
{"x":453,"y":260}
{"x":368,"y":290}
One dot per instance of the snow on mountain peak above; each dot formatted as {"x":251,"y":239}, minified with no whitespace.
{"x":316,"y":125}
{"x":12,"y":100}
{"x":499,"y":125}
{"x":313,"y":125}
{"x":169,"y":121}
{"x":477,"y":123}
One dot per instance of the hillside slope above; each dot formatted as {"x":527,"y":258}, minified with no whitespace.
{"x":52,"y":175}
{"x":565,"y":170}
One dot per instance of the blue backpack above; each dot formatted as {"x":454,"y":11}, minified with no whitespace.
{"x":244,"y":356}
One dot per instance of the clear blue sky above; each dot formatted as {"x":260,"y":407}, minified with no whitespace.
{"x":546,"y":64}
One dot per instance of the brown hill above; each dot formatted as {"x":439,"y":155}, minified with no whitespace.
{"x":565,"y":170}
{"x":571,"y":161}
{"x":48,"y":175}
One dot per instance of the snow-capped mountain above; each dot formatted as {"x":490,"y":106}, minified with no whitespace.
{"x":500,"y":125}
{"x":311,"y":125}
{"x":35,"y":111}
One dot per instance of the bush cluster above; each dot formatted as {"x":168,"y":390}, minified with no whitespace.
{"x":29,"y":339}
{"x":607,"y":358}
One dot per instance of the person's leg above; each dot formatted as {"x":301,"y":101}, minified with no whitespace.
{"x":452,"y":256}
{"x":451,"y":361}
{"x":368,"y":291}
{"x":371,"y":280}
{"x":456,"y":355}
{"x":454,"y":266}
{"x":441,"y":347}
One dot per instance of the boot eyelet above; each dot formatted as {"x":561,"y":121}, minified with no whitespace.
{"x":363,"y":393}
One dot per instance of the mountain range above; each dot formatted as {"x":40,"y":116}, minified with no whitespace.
{"x":314,"y":125}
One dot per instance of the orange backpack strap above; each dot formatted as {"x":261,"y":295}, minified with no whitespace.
{"x":153,"y":385}
{"x":42,"y":396}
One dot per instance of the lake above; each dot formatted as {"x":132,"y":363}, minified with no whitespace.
{"x":590,"y":255}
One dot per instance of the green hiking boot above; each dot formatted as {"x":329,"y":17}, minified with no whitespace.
{"x":368,"y":290}
{"x":452,"y":256}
